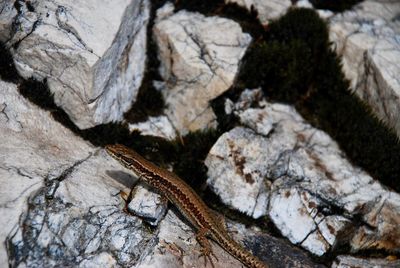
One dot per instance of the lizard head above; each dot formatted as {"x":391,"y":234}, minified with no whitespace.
{"x":121,"y":153}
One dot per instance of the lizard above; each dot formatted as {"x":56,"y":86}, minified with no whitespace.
{"x":188,"y":202}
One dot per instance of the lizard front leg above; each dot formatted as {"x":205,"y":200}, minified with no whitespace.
{"x":206,"y":249}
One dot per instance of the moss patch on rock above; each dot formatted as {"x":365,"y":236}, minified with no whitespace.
{"x":293,"y":64}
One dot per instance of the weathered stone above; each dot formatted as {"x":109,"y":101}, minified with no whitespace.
{"x":367,"y":39}
{"x":325,"y":14}
{"x":90,"y":53}
{"x":159,"y":126}
{"x":236,"y":171}
{"x":314,"y":196}
{"x":177,"y":247}
{"x":267,"y":10}
{"x":353,"y":262}
{"x":59,"y":196}
{"x":28,"y":152}
{"x":7,"y":13}
{"x":198,"y":64}
{"x":147,"y":204}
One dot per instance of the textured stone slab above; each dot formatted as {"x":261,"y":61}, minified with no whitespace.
{"x":177,"y":247}
{"x":237,"y":171}
{"x":301,"y":180}
{"x":199,"y":61}
{"x":159,"y":126}
{"x":59,"y":197}
{"x":368,"y":39}
{"x":91,"y":53}
{"x":353,"y":262}
{"x":147,"y":204}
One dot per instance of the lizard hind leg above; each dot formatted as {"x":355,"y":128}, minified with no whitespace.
{"x":206,"y":249}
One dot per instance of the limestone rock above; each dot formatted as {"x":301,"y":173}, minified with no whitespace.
{"x":237,"y":170}
{"x":90,"y":53}
{"x":147,"y":204}
{"x":177,"y":247}
{"x":159,"y":126}
{"x":296,"y":174}
{"x":367,"y":39}
{"x":353,"y":262}
{"x":59,"y":201}
{"x":267,"y":10}
{"x":199,"y":61}
{"x":61,"y":206}
{"x":7,"y":13}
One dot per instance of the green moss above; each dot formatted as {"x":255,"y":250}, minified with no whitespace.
{"x":334,"y":5}
{"x":293,"y":64}
{"x":149,"y":102}
{"x":284,"y":61}
{"x":190,"y":152}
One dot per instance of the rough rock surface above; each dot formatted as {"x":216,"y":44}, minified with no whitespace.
{"x":90,"y":53}
{"x":267,"y":10}
{"x":159,"y":126}
{"x":176,"y":239}
{"x":60,"y":205}
{"x":368,"y":39}
{"x":59,"y":195}
{"x":198,"y":63}
{"x":353,"y":262}
{"x":280,"y":166}
{"x":147,"y":204}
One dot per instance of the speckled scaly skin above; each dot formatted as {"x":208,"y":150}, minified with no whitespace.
{"x":188,"y":203}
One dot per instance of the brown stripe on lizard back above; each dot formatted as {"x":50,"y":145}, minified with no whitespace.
{"x":187,"y":201}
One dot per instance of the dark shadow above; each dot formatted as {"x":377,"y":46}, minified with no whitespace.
{"x":124,"y":178}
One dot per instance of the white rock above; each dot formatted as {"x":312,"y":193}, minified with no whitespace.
{"x":199,"y":61}
{"x":59,"y":197}
{"x":296,"y":213}
{"x":290,"y":213}
{"x":325,"y":14}
{"x":316,"y":195}
{"x":177,"y":247}
{"x":28,"y":151}
{"x":334,"y":227}
{"x":236,"y":171}
{"x":90,"y":53}
{"x":350,"y":261}
{"x":159,"y":126}
{"x":304,"y":3}
{"x":147,"y":204}
{"x":267,"y":10}
{"x":7,"y":13}
{"x":102,"y":260}
{"x":367,"y":37}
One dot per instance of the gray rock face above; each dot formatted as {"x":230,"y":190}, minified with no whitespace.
{"x":368,"y":39}
{"x":350,"y":262}
{"x":159,"y":126}
{"x":177,"y":247}
{"x":60,"y":205}
{"x":90,"y":53}
{"x":198,"y":63}
{"x":147,"y":204}
{"x":59,"y":199}
{"x":280,"y":166}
